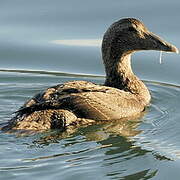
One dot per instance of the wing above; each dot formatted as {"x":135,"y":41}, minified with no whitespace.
{"x":55,"y":96}
{"x":107,"y":105}
{"x":86,"y":100}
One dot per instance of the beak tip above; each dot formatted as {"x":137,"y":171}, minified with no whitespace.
{"x":175,"y":49}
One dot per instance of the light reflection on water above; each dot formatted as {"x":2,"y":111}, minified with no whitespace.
{"x":79,"y":42}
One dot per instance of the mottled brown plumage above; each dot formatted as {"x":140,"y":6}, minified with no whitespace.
{"x":79,"y":102}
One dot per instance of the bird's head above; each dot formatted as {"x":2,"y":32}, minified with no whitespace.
{"x":129,"y":35}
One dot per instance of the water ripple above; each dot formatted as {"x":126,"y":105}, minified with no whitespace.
{"x":161,"y":125}
{"x":107,"y":148}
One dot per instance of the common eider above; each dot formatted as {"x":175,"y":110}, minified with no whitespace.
{"x":75,"y":103}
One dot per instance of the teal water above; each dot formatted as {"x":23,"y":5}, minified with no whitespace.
{"x":43,"y":43}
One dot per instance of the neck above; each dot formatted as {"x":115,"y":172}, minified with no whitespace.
{"x":119,"y":75}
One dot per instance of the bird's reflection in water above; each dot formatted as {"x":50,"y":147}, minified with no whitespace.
{"x":99,"y":131}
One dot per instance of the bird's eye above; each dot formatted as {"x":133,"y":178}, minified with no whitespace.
{"x":132,"y":29}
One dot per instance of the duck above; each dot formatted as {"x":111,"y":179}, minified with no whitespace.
{"x":122,"y":96}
